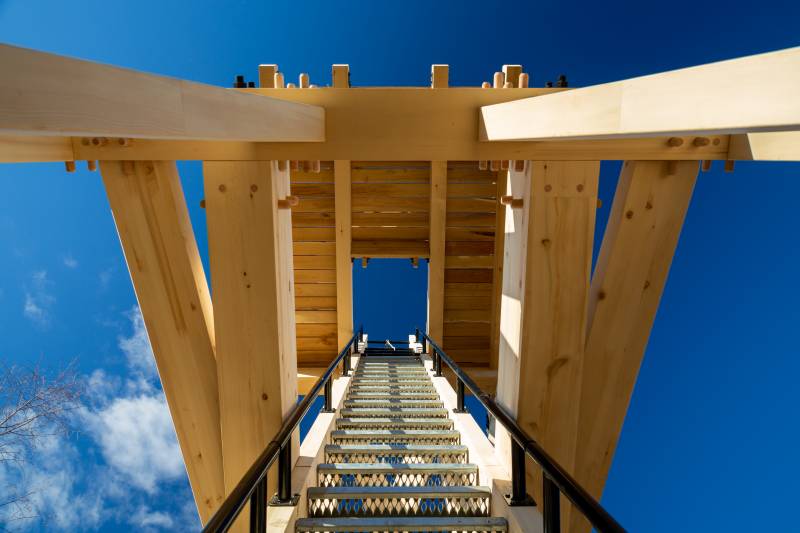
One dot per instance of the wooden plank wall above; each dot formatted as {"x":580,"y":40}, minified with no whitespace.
{"x":469,"y":262}
{"x":314,"y":236}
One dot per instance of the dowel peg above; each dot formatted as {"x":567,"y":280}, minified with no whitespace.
{"x":288,"y":202}
{"x":514,"y":203}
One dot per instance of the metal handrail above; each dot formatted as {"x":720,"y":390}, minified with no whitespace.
{"x":555,"y":478}
{"x":253,"y":485}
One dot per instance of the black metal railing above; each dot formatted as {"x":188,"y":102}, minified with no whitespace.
{"x":253,"y":485}
{"x":555,"y":479}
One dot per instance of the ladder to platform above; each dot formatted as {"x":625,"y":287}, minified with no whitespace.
{"x":395,"y":463}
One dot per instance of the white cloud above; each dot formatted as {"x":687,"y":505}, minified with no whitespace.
{"x":70,"y":262}
{"x":38,"y":299}
{"x":137,"y":439}
{"x":137,"y":348}
{"x":145,"y":518}
{"x":105,"y":278}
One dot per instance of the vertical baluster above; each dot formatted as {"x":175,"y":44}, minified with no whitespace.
{"x":328,"y":398}
{"x":460,"y":407}
{"x":258,"y":507}
{"x":551,"y":497}
{"x":519,"y":491}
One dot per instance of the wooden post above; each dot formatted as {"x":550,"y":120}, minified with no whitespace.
{"x":250,"y":248}
{"x":343,"y":214}
{"x":153,"y":223}
{"x":437,"y":224}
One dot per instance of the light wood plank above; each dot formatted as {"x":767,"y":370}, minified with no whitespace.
{"x":251,"y":271}
{"x":390,"y":249}
{"x":28,"y":149}
{"x":344,"y":266}
{"x":769,"y":146}
{"x":497,"y":269}
{"x":641,"y":237}
{"x":164,"y":262}
{"x":717,"y":98}
{"x":56,"y":95}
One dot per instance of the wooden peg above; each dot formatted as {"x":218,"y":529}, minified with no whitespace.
{"x":706,"y":165}
{"x":701,"y":141}
{"x":306,"y":166}
{"x":674,"y":142}
{"x":294,"y":166}
{"x":524,"y":80}
{"x":313,"y":86}
{"x":203,"y":203}
{"x":124,"y":142}
{"x":483,"y":165}
{"x":508,"y":85}
{"x":69,"y":166}
{"x":291,"y":86}
{"x":91,"y":165}
{"x":303,"y":81}
{"x":599,"y":203}
{"x":729,"y":164}
{"x":499,"y":80}
{"x":514,"y":203}
{"x":315,"y":167}
{"x":340,"y":76}
{"x":494,"y":166}
{"x":504,"y":164}
{"x":281,"y":165}
{"x":266,"y":76}
{"x":288,"y":202}
{"x":364,"y":261}
{"x":278,"y":84}
{"x":415,"y":262}
{"x":519,"y":166}
{"x":672,"y":168}
{"x":486,"y":85}
{"x":99,"y":141}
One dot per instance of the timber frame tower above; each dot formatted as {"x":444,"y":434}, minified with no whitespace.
{"x":495,"y":185}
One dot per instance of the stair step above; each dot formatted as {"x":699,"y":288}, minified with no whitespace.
{"x":396,"y":475}
{"x":399,"y":501}
{"x":402,"y":524}
{"x":392,"y":412}
{"x":389,"y":423}
{"x":396,"y":453}
{"x":380,"y":394}
{"x":390,"y":380}
{"x":398,"y":386}
{"x":395,"y":436}
{"x":393,"y":402}
{"x":393,"y":370}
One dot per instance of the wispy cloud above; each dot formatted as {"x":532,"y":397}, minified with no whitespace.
{"x":105,"y":278}
{"x":138,"y":466}
{"x":70,"y":262}
{"x":38,"y":299}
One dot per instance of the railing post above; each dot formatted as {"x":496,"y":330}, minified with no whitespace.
{"x":284,"y":496}
{"x":438,"y":363}
{"x":258,"y":507}
{"x":460,"y":407}
{"x":328,"y":408}
{"x":551,"y":501}
{"x":519,"y":492}
{"x":346,"y":362}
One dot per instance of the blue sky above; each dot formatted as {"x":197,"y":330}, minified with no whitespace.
{"x":716,"y":396}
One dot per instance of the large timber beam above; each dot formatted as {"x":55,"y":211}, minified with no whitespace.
{"x":343,"y":206}
{"x":250,"y":250}
{"x":47,"y":94}
{"x":156,"y":234}
{"x":563,"y":203}
{"x":750,"y":94}
{"x":642,"y":234}
{"x":437,"y":222}
{"x":769,"y":146}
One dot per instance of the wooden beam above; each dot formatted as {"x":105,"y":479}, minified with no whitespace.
{"x":426,"y":125}
{"x":153,"y":223}
{"x":47,"y":94}
{"x":250,"y":250}
{"x":769,"y":146}
{"x":560,"y":236}
{"x":755,"y":93}
{"x":344,"y":265}
{"x":640,"y":239}
{"x":343,"y":205}
{"x":27,"y":149}
{"x":437,"y":225}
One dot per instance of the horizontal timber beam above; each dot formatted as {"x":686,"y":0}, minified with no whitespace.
{"x":755,"y":93}
{"x":51,"y":95}
{"x":767,"y":146}
{"x":426,"y":125}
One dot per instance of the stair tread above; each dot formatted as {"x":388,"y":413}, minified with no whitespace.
{"x":411,"y":448}
{"x":441,"y":491}
{"x":398,"y":467}
{"x":404,"y":523}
